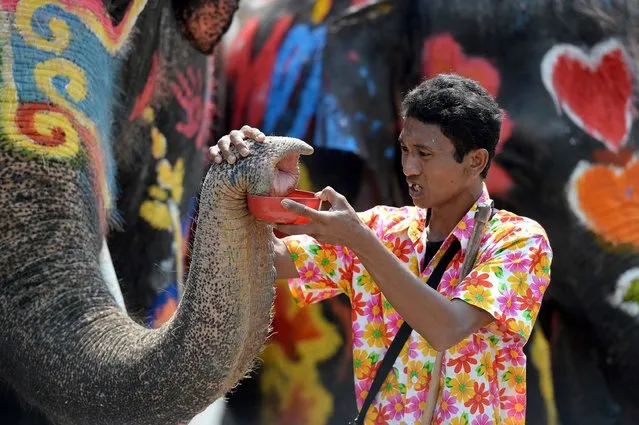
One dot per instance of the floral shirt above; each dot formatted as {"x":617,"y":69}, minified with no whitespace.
{"x":483,"y":379}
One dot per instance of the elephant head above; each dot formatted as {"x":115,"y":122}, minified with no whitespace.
{"x":565,"y":74}
{"x":66,"y":348}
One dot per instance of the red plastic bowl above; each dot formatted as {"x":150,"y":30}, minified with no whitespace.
{"x":269,"y":208}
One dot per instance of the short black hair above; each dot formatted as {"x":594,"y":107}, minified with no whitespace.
{"x":464,"y":111}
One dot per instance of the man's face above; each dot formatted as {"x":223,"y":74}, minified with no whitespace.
{"x":428,"y":161}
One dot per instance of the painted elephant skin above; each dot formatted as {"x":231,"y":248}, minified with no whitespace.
{"x":69,"y":354}
{"x":565,"y":74}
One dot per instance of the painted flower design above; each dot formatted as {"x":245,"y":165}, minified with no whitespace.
{"x":325,"y":259}
{"x":375,"y":334}
{"x":517,"y":262}
{"x":373,"y":312}
{"x":519,"y":282}
{"x":447,"y":405}
{"x":479,"y":400}
{"x":362,"y":364}
{"x":400,"y":248}
{"x":298,"y":254}
{"x":508,"y":302}
{"x":479,"y":296}
{"x":461,"y":387}
{"x":357,"y":335}
{"x":310,"y":272}
{"x":513,"y":354}
{"x":516,"y":406}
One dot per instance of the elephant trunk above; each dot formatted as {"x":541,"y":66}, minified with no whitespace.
{"x":229,"y":291}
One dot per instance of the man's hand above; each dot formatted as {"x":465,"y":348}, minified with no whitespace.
{"x":340,"y":225}
{"x":236,"y":138}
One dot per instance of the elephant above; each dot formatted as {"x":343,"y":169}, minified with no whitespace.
{"x":564,"y":73}
{"x":106,"y":110}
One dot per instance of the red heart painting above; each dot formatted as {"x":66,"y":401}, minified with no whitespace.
{"x":594,"y":90}
{"x":443,"y":54}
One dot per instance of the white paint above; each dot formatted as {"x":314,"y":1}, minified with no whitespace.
{"x":573,"y":195}
{"x":592,"y":60}
{"x":212,"y":415}
{"x":108,"y":274}
{"x":623,"y":284}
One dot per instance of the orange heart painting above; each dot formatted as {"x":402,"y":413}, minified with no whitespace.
{"x":606,"y":199}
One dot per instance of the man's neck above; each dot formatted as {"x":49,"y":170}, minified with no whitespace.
{"x":445,"y":217}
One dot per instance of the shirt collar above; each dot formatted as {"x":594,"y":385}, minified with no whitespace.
{"x":415,"y":222}
{"x":464,"y":228}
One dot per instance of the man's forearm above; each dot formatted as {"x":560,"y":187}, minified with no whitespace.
{"x":443,"y":323}
{"x":284,"y":265}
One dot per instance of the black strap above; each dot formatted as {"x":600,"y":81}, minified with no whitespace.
{"x":402,"y":336}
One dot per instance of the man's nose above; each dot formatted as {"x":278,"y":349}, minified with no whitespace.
{"x":410,"y":168}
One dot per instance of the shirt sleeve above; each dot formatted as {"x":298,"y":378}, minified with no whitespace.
{"x":510,"y":284}
{"x":325,"y":270}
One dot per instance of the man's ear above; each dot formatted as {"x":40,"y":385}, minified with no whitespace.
{"x":204,"y":22}
{"x":476,"y":160}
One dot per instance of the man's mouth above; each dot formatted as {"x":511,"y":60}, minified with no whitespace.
{"x":414,"y":189}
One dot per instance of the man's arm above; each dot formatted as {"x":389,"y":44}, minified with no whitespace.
{"x":284,"y":265}
{"x":496,"y":289}
{"x":443,"y":323}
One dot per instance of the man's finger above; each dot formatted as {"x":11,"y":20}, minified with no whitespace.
{"x":331,"y":196}
{"x":252,"y":133}
{"x":214,"y":151}
{"x":301,"y":209}
{"x":224,"y":144}
{"x":237,"y":140}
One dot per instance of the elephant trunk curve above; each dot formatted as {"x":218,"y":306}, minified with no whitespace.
{"x":65,"y":346}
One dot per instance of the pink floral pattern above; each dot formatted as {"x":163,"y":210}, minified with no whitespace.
{"x":484,"y":376}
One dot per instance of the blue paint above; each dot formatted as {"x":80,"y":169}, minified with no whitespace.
{"x":389,"y":152}
{"x":187,"y":219}
{"x":302,"y":45}
{"x":370,"y":84}
{"x":87,"y":52}
{"x":164,"y":296}
{"x":522,"y":18}
{"x":332,"y":128}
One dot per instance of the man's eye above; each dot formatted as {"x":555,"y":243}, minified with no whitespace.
{"x":404,"y":148}
{"x":424,"y":154}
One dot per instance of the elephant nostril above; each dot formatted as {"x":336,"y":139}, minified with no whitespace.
{"x":286,"y":175}
{"x":288,"y":163}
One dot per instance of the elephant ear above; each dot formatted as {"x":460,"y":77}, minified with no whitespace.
{"x":204,"y":22}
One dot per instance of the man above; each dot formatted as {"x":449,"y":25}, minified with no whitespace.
{"x":383,"y":257}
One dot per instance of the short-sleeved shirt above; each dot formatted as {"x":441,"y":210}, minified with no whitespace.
{"x":483,"y":378}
